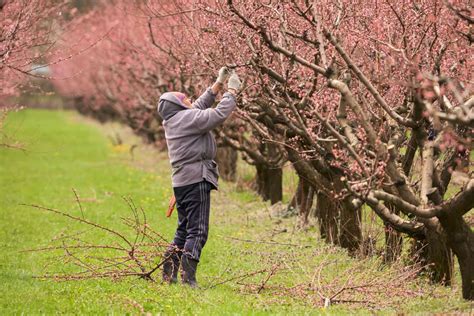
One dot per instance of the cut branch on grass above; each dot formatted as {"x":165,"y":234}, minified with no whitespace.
{"x":101,"y":260}
{"x":238,"y":278}
{"x":339,"y":283}
{"x":78,"y":202}
{"x":266,"y":242}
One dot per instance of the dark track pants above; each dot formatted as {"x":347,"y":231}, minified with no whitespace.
{"x":193,"y":204}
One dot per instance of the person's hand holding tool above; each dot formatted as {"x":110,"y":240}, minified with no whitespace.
{"x":234,"y":83}
{"x":223,"y":75}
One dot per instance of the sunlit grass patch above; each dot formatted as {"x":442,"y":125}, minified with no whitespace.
{"x":246,"y":242}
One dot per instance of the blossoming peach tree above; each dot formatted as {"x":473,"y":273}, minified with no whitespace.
{"x":370,"y":101}
{"x":357,"y":92}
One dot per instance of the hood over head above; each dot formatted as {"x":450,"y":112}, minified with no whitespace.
{"x":171,"y":103}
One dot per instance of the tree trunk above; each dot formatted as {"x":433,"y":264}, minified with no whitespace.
{"x":393,"y":244}
{"x":269,"y":182}
{"x":435,"y":252}
{"x":302,"y":201}
{"x":226,"y":159}
{"x":339,"y":223}
{"x":461,"y":240}
{"x":350,"y":227}
{"x":393,"y":240}
{"x":325,"y":212}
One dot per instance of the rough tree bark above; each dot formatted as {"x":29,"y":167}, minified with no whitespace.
{"x":433,"y":251}
{"x":328,"y":223}
{"x":461,"y":240}
{"x":302,"y":201}
{"x":269,"y":177}
{"x":393,"y":244}
{"x":339,"y":223}
{"x":226,"y":159}
{"x":393,"y":240}
{"x":350,"y":226}
{"x":269,"y":182}
{"x":438,"y":251}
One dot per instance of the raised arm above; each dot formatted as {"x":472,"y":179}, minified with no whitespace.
{"x":206,"y":100}
{"x":208,"y":97}
{"x":209,"y":119}
{"x":204,"y":121}
{"x":197,"y":121}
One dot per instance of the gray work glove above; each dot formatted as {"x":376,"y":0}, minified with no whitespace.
{"x":224,"y":73}
{"x":234,"y":82}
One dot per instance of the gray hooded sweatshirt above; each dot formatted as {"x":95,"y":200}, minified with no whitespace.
{"x":191,"y":146}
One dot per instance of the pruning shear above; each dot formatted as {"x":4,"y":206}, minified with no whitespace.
{"x":234,"y":66}
{"x":171,"y":206}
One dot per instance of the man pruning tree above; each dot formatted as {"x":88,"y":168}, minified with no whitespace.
{"x":191,"y":150}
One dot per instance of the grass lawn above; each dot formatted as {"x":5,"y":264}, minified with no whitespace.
{"x":64,"y":151}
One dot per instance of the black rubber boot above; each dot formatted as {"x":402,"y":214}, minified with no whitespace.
{"x":188,"y":272}
{"x":171,"y":265}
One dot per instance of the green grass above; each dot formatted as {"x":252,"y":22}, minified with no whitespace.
{"x":65,"y":151}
